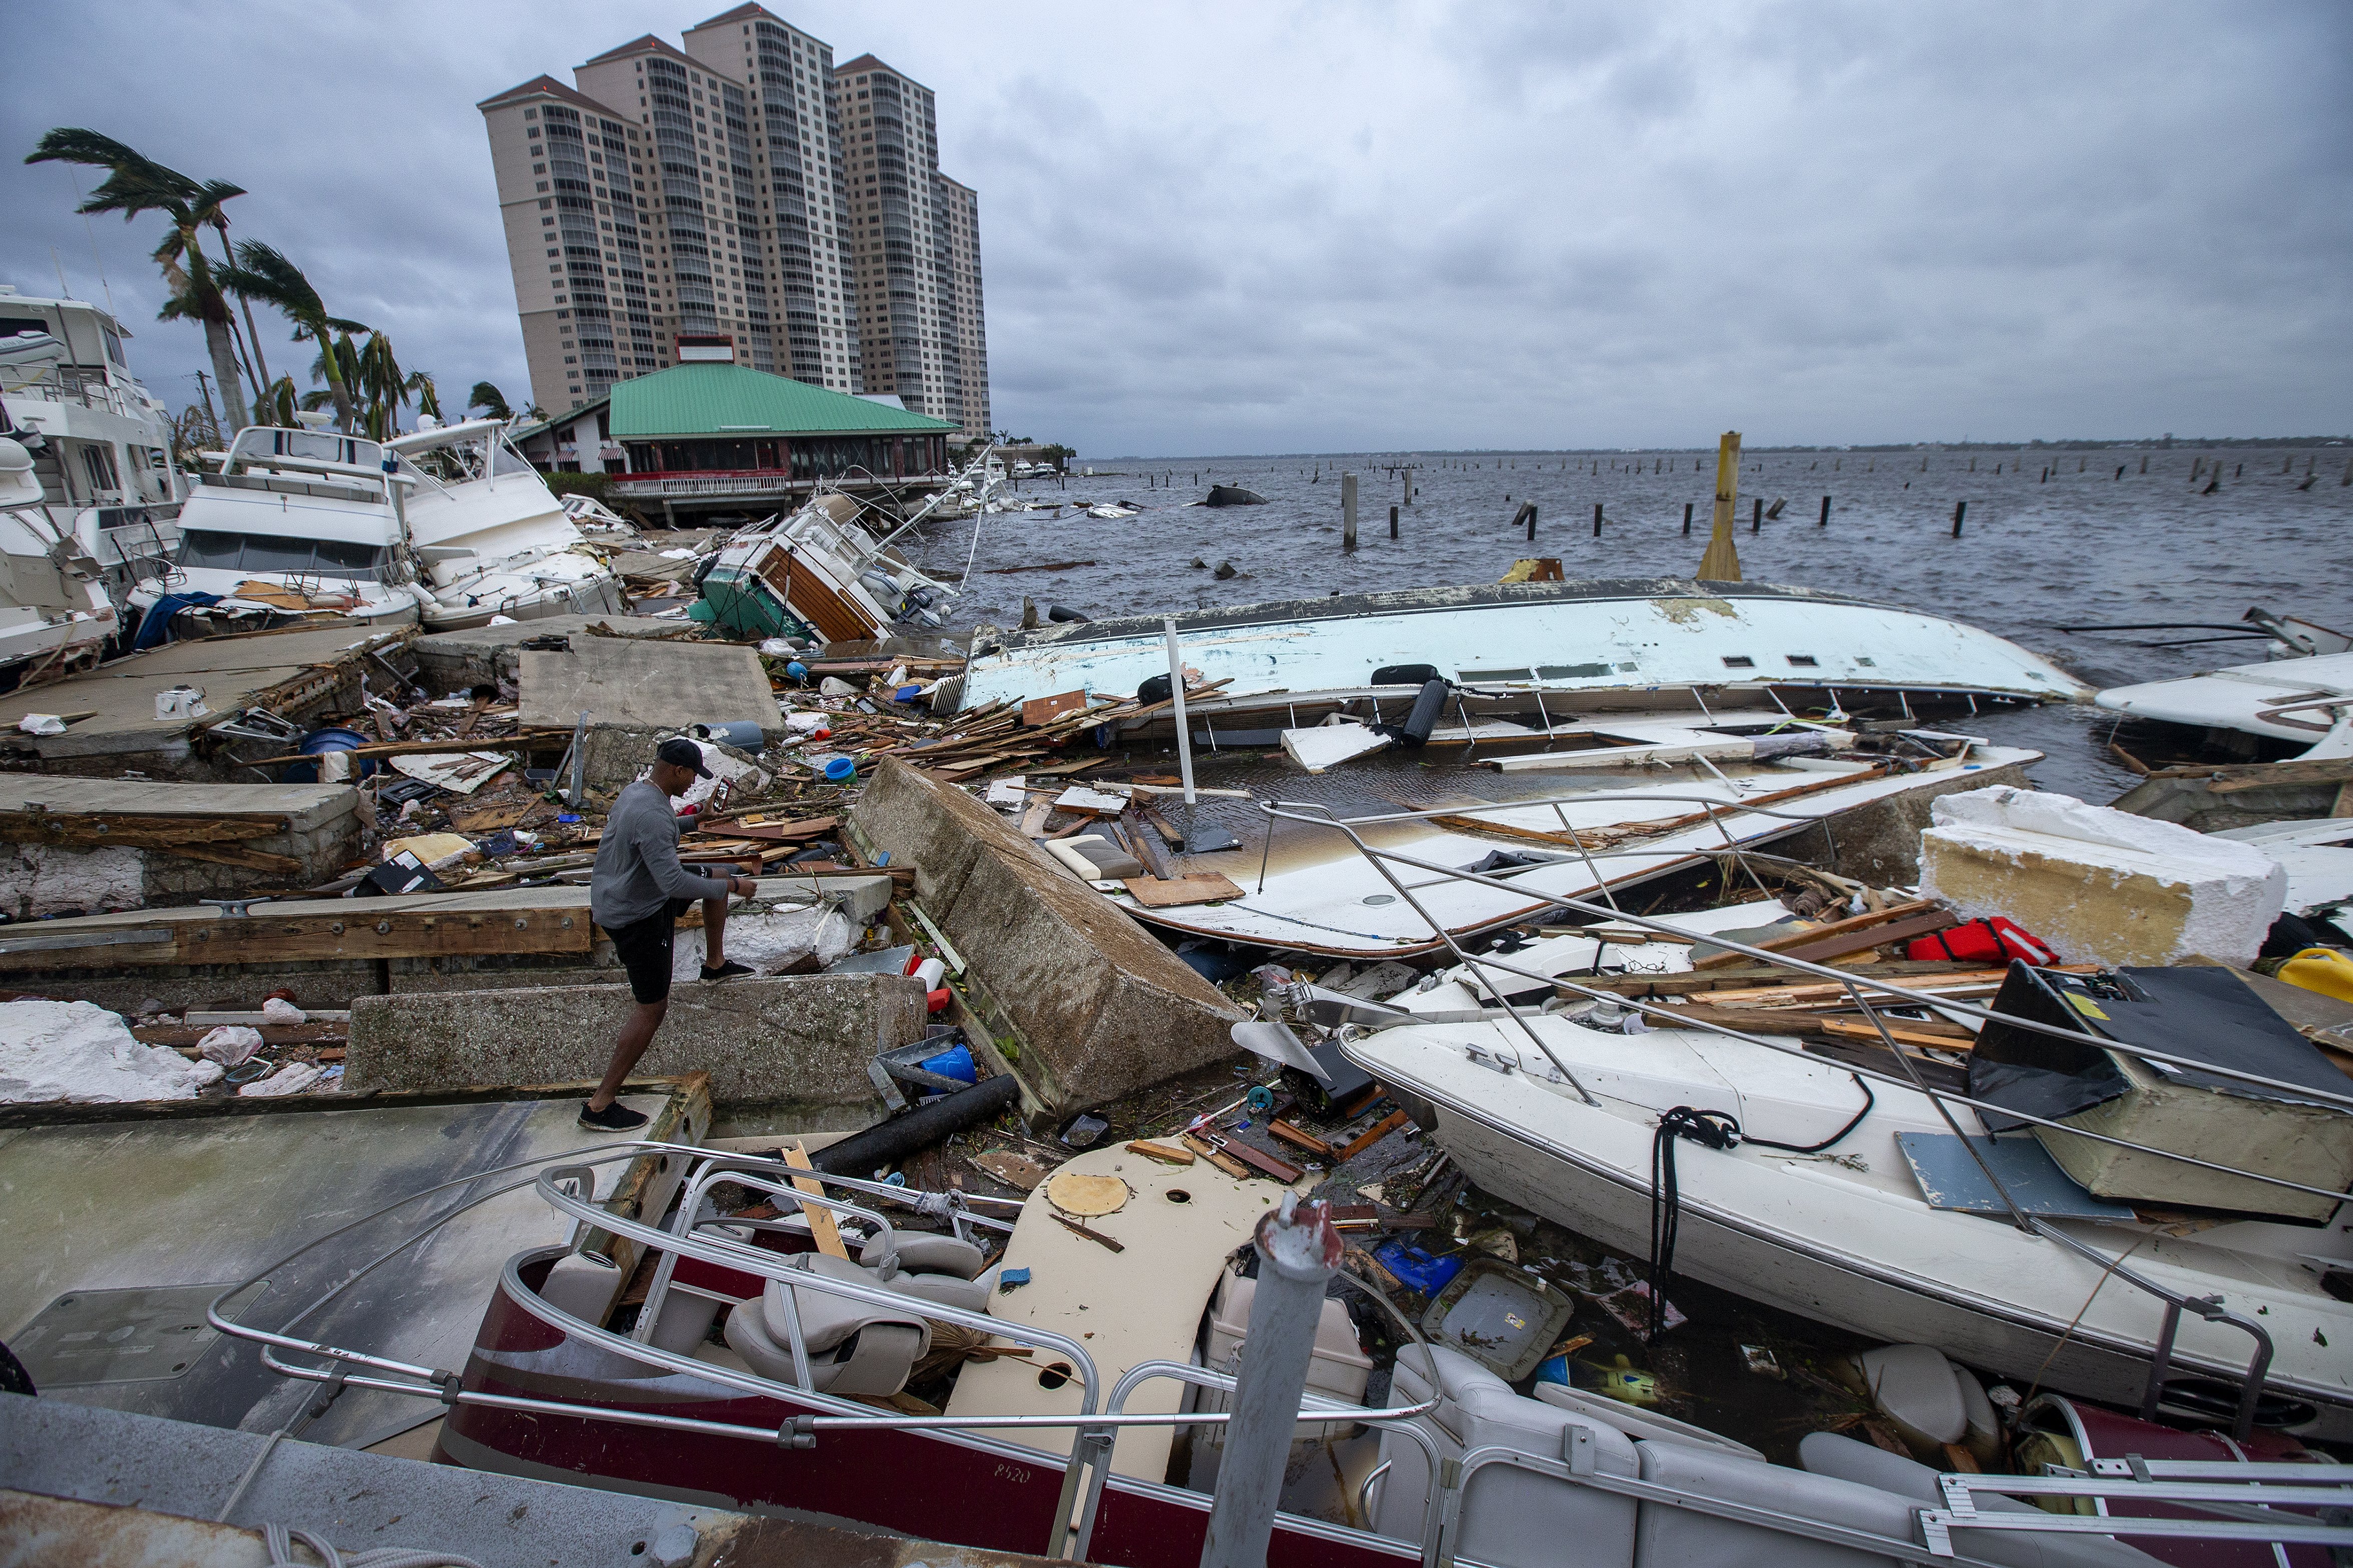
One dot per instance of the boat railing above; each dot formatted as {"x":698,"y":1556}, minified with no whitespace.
{"x":1860,"y":991}
{"x":64,"y":384}
{"x":1088,"y":1463}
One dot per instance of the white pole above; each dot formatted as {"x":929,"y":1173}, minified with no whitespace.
{"x":1176,"y":691}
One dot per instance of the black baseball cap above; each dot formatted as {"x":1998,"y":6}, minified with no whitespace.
{"x":680,"y":753}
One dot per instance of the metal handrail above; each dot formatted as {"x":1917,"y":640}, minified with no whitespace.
{"x":2175,"y":1302}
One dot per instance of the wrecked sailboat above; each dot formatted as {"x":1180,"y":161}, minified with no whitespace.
{"x":1541,"y":653}
{"x":818,"y":574}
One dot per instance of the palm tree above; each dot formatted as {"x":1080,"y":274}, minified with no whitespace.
{"x":384,"y":385}
{"x":262,"y":273}
{"x":429,"y":396}
{"x":135,"y":185}
{"x":490,"y":400}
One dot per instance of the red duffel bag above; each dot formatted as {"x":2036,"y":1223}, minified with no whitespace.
{"x":1991,"y":941}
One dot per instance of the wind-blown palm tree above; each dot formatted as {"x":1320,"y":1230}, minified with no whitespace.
{"x":490,"y":400}
{"x":136,"y":183}
{"x":262,"y":273}
{"x":429,"y":396}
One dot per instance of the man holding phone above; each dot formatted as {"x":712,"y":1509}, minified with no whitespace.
{"x":637,"y":892}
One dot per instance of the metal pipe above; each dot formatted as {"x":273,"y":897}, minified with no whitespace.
{"x":1299,"y":1251}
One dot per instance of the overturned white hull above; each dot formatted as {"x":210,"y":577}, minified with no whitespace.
{"x":1535,"y":642}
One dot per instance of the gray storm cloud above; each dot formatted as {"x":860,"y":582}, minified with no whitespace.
{"x":1244,"y":227}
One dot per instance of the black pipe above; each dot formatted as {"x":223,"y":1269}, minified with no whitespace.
{"x":864,"y":1153}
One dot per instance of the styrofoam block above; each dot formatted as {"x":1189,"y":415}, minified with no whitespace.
{"x":79,"y":1052}
{"x":2101,"y":886}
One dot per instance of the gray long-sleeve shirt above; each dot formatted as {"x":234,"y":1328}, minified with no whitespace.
{"x":638,"y":871}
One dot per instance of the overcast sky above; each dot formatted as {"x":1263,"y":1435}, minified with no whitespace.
{"x":1265,"y":227}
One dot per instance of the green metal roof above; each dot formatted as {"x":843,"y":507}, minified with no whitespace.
{"x":736,"y":400}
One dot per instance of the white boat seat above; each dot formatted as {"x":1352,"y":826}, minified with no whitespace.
{"x":1829,"y":1454}
{"x":1511,"y":1518}
{"x":922,"y":1252}
{"x":853,"y":1347}
{"x":1642,"y":1425}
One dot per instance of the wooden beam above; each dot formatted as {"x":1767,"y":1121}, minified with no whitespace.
{"x":1812,"y":935}
{"x":822,"y":1229}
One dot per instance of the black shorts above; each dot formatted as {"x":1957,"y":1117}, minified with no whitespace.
{"x":644,"y":948}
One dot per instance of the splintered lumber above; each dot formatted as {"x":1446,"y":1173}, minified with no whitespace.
{"x":1611,"y":833}
{"x":822,"y":1229}
{"x":1215,"y":1156}
{"x":1299,"y":1138}
{"x":1909,"y":1031}
{"x":1813,"y":936}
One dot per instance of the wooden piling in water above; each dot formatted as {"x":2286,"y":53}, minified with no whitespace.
{"x":1756,"y":516}
{"x":1393,"y":523}
{"x":1825,"y":521}
{"x":1721,"y":561}
{"x":1687,"y":511}
{"x":1597,"y":520}
{"x":1960,"y":510}
{"x":1349,"y":511}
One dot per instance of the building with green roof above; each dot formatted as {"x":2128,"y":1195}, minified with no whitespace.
{"x":714,"y":434}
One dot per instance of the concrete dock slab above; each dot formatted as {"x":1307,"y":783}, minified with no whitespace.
{"x":450,"y":662}
{"x":629,"y":683}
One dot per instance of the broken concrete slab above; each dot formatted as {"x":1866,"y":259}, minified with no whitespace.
{"x":790,"y":1040}
{"x":1097,"y":1006}
{"x":451,"y":663}
{"x":88,"y":845}
{"x":624,"y":683}
{"x":294,"y":674}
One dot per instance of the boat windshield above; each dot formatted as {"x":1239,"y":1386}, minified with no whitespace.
{"x":220,"y":551}
{"x":259,"y":444}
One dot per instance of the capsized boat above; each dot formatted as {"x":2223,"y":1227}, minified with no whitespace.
{"x":449,"y":525}
{"x":1549,"y":649}
{"x":1019,"y":1386}
{"x":2298,"y":707}
{"x":1848,"y":1195}
{"x":1696,"y":792}
{"x":820,"y":573}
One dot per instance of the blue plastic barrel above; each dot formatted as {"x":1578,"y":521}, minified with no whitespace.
{"x":318,"y":743}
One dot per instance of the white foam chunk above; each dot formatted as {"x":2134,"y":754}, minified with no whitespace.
{"x":1313,"y":750}
{"x":79,"y":1052}
{"x":2102,"y":886}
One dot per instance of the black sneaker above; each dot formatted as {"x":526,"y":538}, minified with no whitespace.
{"x":727,"y":971}
{"x":614,"y":1118}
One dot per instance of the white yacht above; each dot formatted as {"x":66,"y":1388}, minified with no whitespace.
{"x":99,"y":442}
{"x":449,"y":525}
{"x":56,"y":618}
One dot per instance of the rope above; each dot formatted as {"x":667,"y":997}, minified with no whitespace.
{"x":281,"y":1543}
{"x":1713,"y":1130}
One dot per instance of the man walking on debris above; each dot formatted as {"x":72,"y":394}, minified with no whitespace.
{"x":636,"y":892}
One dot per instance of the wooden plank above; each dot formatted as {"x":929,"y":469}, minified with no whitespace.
{"x":1263,"y":1162}
{"x":1910,"y":1031}
{"x":1040,"y":711}
{"x":2238,"y":777}
{"x":1217,"y":1157}
{"x":1300,"y":1138}
{"x":1198,"y":888}
{"x":1853,"y":942}
{"x":1162,"y":1152}
{"x":1374,"y":1134}
{"x":822,"y":1229}
{"x":772,"y":832}
{"x":1812,"y":934}
{"x":357,"y":931}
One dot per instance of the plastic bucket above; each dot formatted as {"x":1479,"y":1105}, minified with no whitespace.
{"x":838,"y":770}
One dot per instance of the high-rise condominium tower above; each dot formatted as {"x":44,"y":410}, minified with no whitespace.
{"x":741,"y":198}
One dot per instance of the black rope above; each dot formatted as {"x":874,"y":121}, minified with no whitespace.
{"x":1713,"y":1130}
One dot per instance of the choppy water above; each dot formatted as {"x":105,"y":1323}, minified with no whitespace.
{"x":2084,"y":545}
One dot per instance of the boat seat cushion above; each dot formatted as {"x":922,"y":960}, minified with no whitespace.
{"x":919,"y":1252}
{"x":873,"y":1361}
{"x":1683,"y":1538}
{"x":1827,"y":1454}
{"x":1511,"y":1518}
{"x":1641,"y":1425}
{"x":826,"y":1318}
